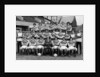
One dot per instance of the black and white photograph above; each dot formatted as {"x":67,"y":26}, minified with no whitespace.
{"x":49,"y":37}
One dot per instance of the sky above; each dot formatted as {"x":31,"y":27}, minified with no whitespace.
{"x":80,"y":20}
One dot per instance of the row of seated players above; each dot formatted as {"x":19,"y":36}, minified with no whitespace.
{"x":56,"y":47}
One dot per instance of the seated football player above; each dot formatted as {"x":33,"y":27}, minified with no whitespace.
{"x":32,"y":45}
{"x":72,"y":47}
{"x":63,"y":47}
{"x":23,"y":48}
{"x":40,"y":46}
{"x":55,"y":48}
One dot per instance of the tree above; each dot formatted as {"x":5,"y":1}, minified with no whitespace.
{"x":74,"y":24}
